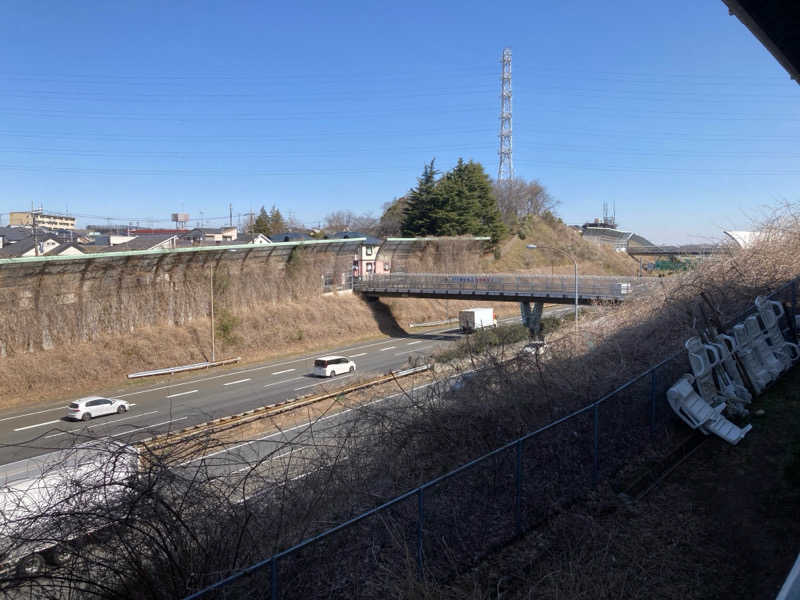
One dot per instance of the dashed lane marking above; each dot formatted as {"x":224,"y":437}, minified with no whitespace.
{"x":183,"y":393}
{"x":37,"y":425}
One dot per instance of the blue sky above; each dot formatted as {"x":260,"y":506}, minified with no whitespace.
{"x":125,"y":112}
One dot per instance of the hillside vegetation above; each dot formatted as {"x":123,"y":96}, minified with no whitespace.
{"x":308,"y":484}
{"x":259,"y":325}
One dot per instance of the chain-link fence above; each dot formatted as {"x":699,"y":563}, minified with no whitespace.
{"x":433,"y":530}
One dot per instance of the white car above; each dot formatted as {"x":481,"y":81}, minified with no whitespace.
{"x":330,"y":366}
{"x":87,"y":408}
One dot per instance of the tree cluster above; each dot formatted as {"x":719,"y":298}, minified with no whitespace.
{"x":347,"y":220}
{"x":519,"y":200}
{"x":269,"y":223}
{"x":460,"y":202}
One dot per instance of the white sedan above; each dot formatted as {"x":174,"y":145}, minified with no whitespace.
{"x":95,"y":406}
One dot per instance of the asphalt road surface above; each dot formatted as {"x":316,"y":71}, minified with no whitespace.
{"x":166,"y":405}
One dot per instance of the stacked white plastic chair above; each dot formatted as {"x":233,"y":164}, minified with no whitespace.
{"x":699,"y":414}
{"x":771,"y":312}
{"x":726,"y":346}
{"x":712,"y":379}
{"x":718,"y":384}
{"x":758,"y":372}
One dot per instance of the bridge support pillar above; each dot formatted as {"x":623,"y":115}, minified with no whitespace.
{"x":532,"y":317}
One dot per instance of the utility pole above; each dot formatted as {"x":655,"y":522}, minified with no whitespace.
{"x":505,"y":168}
{"x":35,"y":240}
{"x":230,"y":214}
{"x":213,"y":341}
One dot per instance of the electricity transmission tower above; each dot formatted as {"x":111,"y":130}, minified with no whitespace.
{"x":505,"y":170}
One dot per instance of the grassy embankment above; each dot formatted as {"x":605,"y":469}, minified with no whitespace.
{"x":263,"y":332}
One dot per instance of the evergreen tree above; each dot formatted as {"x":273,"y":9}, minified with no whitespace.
{"x":462,"y":202}
{"x":262,"y":223}
{"x":419,"y":213}
{"x":277,"y":224}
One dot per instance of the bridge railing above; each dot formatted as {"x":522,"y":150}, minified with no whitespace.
{"x":588,"y":285}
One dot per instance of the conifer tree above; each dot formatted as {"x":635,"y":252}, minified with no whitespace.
{"x":418,"y":216}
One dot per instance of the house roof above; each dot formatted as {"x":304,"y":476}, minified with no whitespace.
{"x":247,"y":238}
{"x":144,"y":242}
{"x":213,"y":229}
{"x":289,"y":236}
{"x":21,"y":247}
{"x":64,"y":246}
{"x":15,"y":234}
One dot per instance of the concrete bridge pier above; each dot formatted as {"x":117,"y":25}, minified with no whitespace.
{"x":532,"y":318}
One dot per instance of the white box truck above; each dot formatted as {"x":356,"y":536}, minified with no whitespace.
{"x":472,"y":319}
{"x":52,"y":503}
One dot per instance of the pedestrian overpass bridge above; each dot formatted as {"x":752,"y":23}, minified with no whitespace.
{"x":531,"y":291}
{"x":555,"y":289}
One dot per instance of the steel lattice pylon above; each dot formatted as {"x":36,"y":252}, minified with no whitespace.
{"x":505,"y":169}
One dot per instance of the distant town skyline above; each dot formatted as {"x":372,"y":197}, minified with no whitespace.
{"x":128,"y":113}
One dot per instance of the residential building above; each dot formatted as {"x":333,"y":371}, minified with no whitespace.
{"x":27,"y":247}
{"x":289,"y":236}
{"x":147,"y":242}
{"x":68,"y":249}
{"x":25,"y":219}
{"x":216,"y":235}
{"x":366,"y":261}
{"x":111,"y":239}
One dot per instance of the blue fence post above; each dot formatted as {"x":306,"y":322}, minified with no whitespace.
{"x":518,"y":490}
{"x":276,"y":590}
{"x":420,"y":522}
{"x":596,"y":457}
{"x":652,"y":402}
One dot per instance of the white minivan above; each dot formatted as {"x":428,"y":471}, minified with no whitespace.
{"x":330,"y":366}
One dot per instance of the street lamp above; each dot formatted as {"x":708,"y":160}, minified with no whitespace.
{"x":574,"y":262}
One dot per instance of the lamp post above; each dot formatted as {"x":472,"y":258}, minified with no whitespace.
{"x":574,"y":262}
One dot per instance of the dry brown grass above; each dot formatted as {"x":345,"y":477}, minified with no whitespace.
{"x":264,"y":308}
{"x":386,"y":449}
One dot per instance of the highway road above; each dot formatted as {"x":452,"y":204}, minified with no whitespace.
{"x":175,"y":404}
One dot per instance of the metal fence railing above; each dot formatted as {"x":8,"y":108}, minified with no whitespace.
{"x":482,"y":504}
{"x":589,"y":286}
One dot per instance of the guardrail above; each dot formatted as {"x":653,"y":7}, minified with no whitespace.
{"x":589,"y":286}
{"x":485,"y":502}
{"x":271,"y":410}
{"x":194,"y":367}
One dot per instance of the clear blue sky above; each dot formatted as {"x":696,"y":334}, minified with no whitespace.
{"x":134,"y":110}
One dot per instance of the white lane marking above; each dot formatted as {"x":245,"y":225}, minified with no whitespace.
{"x":146,"y":426}
{"x":357,"y":355}
{"x":321,"y":382}
{"x":307,"y":424}
{"x":237,"y":381}
{"x":152,"y":412}
{"x":284,"y":371}
{"x":389,"y":348}
{"x":410,"y":351}
{"x":248,"y":467}
{"x":37,"y":425}
{"x":284,"y":381}
{"x":234,"y":373}
{"x":30,"y":414}
{"x":417,"y":342}
{"x":182,"y":394}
